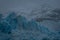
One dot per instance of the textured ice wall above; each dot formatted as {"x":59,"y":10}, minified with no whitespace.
{"x":15,"y":27}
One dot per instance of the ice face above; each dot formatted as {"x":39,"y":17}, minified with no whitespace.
{"x":19,"y":27}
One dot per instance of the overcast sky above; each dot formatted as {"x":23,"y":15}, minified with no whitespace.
{"x":17,"y":5}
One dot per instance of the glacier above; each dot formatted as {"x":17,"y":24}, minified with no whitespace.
{"x":19,"y":28}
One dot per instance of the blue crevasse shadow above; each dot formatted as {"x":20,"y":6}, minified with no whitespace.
{"x":11,"y":19}
{"x":21,"y":21}
{"x":5,"y":28}
{"x":8,"y":23}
